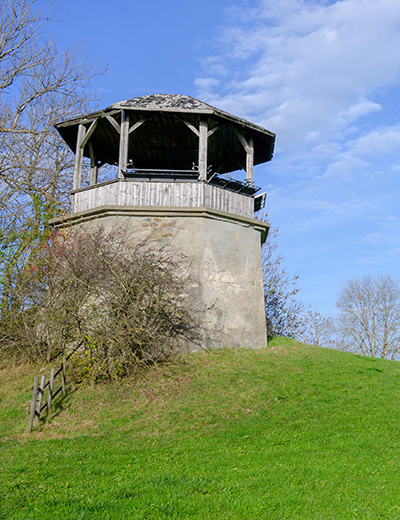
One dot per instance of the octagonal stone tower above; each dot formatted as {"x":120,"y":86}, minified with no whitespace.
{"x":168,"y":163}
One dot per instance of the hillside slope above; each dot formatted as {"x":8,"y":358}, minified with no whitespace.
{"x":287,"y":432}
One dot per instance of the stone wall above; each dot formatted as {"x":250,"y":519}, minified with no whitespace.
{"x":221,"y":254}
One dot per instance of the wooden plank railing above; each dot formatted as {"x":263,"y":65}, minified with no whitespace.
{"x":37,"y":406}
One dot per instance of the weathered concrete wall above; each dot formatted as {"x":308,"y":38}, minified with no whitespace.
{"x":222,"y":254}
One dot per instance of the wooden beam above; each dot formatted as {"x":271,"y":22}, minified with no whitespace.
{"x":50,"y":389}
{"x":94,"y":168}
{"x":210,"y":132}
{"x":114,"y":123}
{"x":63,"y":376}
{"x":136,"y":125}
{"x":203,"y":130}
{"x":192,"y":128}
{"x":33,"y":403}
{"x":123,"y":144}
{"x":89,"y":133}
{"x":249,"y":148}
{"x":250,"y":161}
{"x":40,"y":396}
{"x":87,"y":119}
{"x":242,"y":139}
{"x":78,"y":157}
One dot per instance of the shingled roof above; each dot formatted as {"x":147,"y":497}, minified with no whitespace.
{"x":164,"y":140}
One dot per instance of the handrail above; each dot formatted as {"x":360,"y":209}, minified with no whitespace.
{"x":163,"y":170}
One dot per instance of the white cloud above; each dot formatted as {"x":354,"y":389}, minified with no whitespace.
{"x":321,"y":74}
{"x":207,"y":83}
{"x":374,"y":238}
{"x":353,"y":207}
{"x":390,"y":219}
{"x":381,"y":258}
{"x":308,"y":69}
{"x":363,"y":108}
{"x":381,"y":141}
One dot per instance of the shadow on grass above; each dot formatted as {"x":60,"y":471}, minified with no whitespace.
{"x":61,"y":404}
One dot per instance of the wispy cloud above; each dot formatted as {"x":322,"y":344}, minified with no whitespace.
{"x":380,"y":141}
{"x":307,"y":70}
{"x":322,"y":74}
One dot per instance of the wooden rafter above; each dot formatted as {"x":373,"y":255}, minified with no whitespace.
{"x":136,"y":125}
{"x":248,"y":145}
{"x":89,"y":133}
{"x":114,"y":123}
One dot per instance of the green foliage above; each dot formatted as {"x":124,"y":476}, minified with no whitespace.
{"x":288,"y":432}
{"x":40,"y":85}
{"x":19,"y":244}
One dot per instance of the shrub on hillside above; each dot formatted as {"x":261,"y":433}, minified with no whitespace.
{"x":89,"y":295}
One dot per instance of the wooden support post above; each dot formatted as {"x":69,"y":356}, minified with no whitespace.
{"x":248,"y":145}
{"x":203,"y":130}
{"x":50,"y":392}
{"x":63,"y":377}
{"x":250,"y":160}
{"x":40,"y":397}
{"x":33,"y":403}
{"x":123,"y":144}
{"x":78,"y":158}
{"x":94,"y":169}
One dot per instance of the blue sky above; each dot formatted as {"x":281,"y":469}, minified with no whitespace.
{"x":323,"y":75}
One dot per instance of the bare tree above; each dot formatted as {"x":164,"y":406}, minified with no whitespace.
{"x":317,"y":330}
{"x":39,"y":86}
{"x":369,"y":317}
{"x":284,"y":312}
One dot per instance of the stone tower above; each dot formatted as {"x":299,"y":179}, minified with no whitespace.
{"x":162,"y":165}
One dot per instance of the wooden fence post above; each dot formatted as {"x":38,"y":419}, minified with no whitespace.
{"x":63,"y":380}
{"x":40,"y":398}
{"x":50,"y":391}
{"x":39,"y":389}
{"x":33,"y":403}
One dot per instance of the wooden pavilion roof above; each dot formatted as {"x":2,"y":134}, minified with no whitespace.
{"x":160,"y":134}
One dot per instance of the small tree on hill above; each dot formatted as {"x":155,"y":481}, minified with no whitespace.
{"x":284,"y":312}
{"x":369,"y":317}
{"x":317,"y":330}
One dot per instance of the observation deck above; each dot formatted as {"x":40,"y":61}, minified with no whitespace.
{"x":166,"y":151}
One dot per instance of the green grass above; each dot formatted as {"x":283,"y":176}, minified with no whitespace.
{"x":288,"y":432}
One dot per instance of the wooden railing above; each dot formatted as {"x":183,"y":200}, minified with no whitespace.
{"x":39,"y":389}
{"x":121,"y":192}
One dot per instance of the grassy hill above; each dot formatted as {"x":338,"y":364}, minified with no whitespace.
{"x":288,"y":432}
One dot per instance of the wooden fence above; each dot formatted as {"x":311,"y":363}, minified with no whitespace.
{"x":37,"y":405}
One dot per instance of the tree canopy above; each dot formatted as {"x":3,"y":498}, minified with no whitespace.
{"x":369,"y":317}
{"x":39,"y":85}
